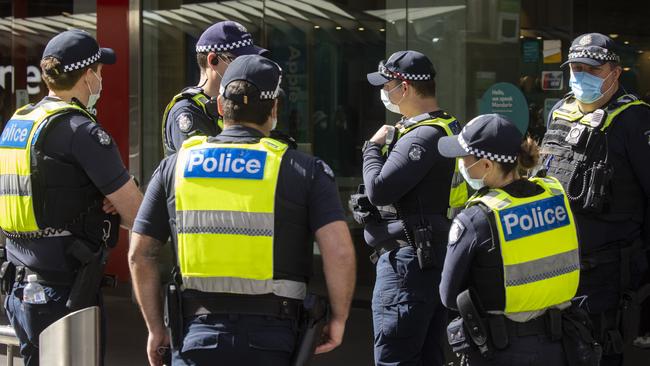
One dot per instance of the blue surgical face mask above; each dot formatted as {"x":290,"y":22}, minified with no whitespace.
{"x":586,"y":87}
{"x":475,"y":183}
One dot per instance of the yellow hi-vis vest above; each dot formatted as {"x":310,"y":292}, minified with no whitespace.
{"x":198,"y":97}
{"x":570,"y":111}
{"x":225,"y":202}
{"x":539,"y":246}
{"x":458,"y":192}
{"x":19,"y":135}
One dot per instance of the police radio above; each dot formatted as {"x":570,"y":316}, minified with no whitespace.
{"x":601,"y":174}
{"x":424,"y":246}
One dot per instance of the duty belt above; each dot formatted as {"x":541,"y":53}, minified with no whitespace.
{"x":380,"y":249}
{"x":45,"y":233}
{"x":47,"y":278}
{"x":231,"y":304}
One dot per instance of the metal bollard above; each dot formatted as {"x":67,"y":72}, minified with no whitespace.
{"x":73,"y":340}
{"x":8,"y":337}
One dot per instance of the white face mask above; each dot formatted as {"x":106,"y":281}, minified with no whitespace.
{"x":93,"y":97}
{"x":387,"y":103}
{"x":275,"y":123}
{"x":475,"y":183}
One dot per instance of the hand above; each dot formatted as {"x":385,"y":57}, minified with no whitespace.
{"x":158,"y":339}
{"x":332,"y":336}
{"x":380,"y":136}
{"x":108,"y":207}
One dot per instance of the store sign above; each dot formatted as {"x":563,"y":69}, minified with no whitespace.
{"x":33,"y":79}
{"x":507,"y":100}
{"x":552,"y":80}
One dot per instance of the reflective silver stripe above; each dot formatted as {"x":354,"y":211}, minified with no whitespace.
{"x":543,"y":268}
{"x":492,"y":200}
{"x":225,"y":222}
{"x":15,"y":185}
{"x":244,"y":286}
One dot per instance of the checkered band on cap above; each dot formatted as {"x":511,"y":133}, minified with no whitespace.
{"x":594,"y":55}
{"x":499,"y":158}
{"x":224,"y":46}
{"x":267,"y":94}
{"x":402,"y":76}
{"x":83,"y":63}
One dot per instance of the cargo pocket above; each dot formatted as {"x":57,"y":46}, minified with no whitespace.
{"x":201,"y":335}
{"x":406,"y":319}
{"x":272,"y":341}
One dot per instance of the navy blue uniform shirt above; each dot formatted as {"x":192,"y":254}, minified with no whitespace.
{"x":470,"y":234}
{"x":186,"y":119}
{"x":415,"y":176}
{"x":629,"y":154}
{"x":72,"y":138}
{"x":303,"y":180}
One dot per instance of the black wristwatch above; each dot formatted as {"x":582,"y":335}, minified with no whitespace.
{"x":368,"y":144}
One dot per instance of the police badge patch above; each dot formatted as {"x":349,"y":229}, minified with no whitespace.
{"x":455,"y":232}
{"x":184,"y":122}
{"x":326,"y":169}
{"x":415,"y":152}
{"x":102,"y":137}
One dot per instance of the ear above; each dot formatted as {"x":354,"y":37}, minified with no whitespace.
{"x":274,"y":111}
{"x":219,"y":104}
{"x":213,"y":60}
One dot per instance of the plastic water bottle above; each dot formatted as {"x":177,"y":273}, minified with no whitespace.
{"x":33,"y":293}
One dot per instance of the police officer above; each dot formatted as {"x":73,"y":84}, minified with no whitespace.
{"x":245,"y":209}
{"x":194,"y":110}
{"x":62,"y":177}
{"x":598,"y":145}
{"x":514,"y":246}
{"x":413,"y":189}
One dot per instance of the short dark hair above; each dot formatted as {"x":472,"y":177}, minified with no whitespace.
{"x":424,"y":88}
{"x":56,"y":79}
{"x":255,"y":111}
{"x":202,"y":58}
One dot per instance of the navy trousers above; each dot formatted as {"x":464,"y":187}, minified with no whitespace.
{"x":217,"y":339}
{"x":534,"y":350}
{"x":29,"y":320}
{"x":408,"y":318}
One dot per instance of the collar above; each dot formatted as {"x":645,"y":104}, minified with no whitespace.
{"x":421,"y":117}
{"x":241,"y":131}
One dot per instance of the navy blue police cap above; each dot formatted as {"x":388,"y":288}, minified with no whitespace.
{"x":489,"y":136}
{"x":405,"y":66}
{"x":76,"y":49}
{"x":265,"y":74}
{"x":592,"y":49}
{"x":228,"y":36}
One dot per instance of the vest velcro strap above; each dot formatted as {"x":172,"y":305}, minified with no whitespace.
{"x":242,"y":305}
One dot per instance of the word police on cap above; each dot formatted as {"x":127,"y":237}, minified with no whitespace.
{"x":534,"y":218}
{"x":226,"y":163}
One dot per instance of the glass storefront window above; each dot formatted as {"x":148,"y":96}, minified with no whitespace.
{"x":25,"y":29}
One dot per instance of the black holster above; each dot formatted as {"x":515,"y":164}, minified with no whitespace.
{"x":362,"y":210}
{"x":90,"y":275}
{"x":474,"y":326}
{"x":173,"y":314}
{"x":580,"y":347}
{"x":7,"y":276}
{"x":314,"y":316}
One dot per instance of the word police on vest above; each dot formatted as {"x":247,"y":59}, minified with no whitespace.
{"x":16,"y":133}
{"x":226,"y":163}
{"x":534,"y":218}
